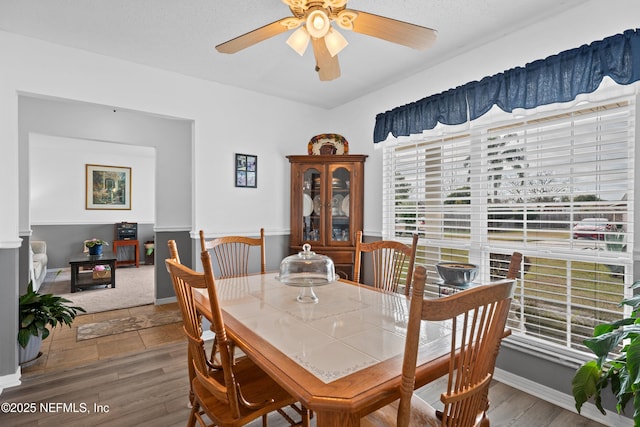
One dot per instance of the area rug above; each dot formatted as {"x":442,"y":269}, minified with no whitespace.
{"x":127,"y":324}
{"x":134,"y":287}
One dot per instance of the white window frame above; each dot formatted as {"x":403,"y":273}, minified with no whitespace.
{"x":478,"y":245}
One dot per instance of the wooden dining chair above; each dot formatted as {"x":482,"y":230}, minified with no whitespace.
{"x":477,"y":319}
{"x":389,"y":260}
{"x":235,"y":392}
{"x":232,"y":253}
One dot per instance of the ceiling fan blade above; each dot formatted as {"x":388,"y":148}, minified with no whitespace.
{"x":256,"y":36}
{"x":400,"y":32}
{"x":327,"y":66}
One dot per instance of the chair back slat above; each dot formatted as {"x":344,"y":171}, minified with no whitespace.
{"x":173,"y":251}
{"x":477,"y":317}
{"x":232,"y":253}
{"x":390,"y":259}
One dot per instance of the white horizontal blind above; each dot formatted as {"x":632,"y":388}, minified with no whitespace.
{"x":523,"y":185}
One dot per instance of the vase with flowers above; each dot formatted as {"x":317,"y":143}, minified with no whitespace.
{"x":95,"y":246}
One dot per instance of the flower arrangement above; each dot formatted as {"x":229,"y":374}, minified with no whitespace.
{"x":91,"y":243}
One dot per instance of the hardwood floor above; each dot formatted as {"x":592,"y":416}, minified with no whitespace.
{"x":63,"y":350}
{"x":149,"y":387}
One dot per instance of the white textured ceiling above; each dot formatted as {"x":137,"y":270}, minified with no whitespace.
{"x":180,"y":35}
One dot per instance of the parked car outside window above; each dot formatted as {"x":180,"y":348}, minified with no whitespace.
{"x":591,"y":228}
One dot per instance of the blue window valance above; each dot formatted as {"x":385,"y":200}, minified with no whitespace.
{"x":558,"y":78}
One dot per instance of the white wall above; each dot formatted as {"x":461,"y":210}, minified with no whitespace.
{"x":57,"y":180}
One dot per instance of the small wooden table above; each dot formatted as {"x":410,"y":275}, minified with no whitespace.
{"x":136,"y":254}
{"x":85,"y":279}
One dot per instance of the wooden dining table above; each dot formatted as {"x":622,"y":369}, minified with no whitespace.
{"x":340,"y":357}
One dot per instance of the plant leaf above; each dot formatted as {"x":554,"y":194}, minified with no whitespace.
{"x":603,"y":344}
{"x":633,"y":362}
{"x":608,"y":327}
{"x":634,"y":301}
{"x":584,"y":383}
{"x":23,"y":337}
{"x":27,"y":320}
{"x":636,"y":412}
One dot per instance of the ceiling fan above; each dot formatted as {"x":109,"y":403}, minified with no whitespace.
{"x":313,"y":19}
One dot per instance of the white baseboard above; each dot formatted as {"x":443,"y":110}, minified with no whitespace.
{"x":11,"y":380}
{"x":560,"y":399}
{"x":162,"y":301}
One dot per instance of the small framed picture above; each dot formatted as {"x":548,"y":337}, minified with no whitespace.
{"x":246,"y":170}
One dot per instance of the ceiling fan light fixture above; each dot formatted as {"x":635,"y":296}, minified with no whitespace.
{"x":335,"y":42}
{"x":318,"y":23}
{"x":299,"y":40}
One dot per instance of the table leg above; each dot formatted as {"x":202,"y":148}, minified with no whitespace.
{"x":74,"y":276}
{"x":113,"y":274}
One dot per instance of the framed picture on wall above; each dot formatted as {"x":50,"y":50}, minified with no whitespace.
{"x":108,"y":187}
{"x":246,"y":170}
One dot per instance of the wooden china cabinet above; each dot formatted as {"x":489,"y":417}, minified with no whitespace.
{"x":327,"y":197}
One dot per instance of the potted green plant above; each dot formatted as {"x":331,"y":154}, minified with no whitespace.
{"x":95,"y":246}
{"x":621,"y":373}
{"x":36,"y":313}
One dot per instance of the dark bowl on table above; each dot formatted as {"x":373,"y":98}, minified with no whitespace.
{"x":457,"y":273}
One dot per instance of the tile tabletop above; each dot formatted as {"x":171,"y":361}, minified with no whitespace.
{"x":350,"y":327}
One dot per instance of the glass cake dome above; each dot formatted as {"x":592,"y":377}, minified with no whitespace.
{"x":307,"y":269}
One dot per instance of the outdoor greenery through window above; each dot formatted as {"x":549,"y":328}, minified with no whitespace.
{"x":555,"y":186}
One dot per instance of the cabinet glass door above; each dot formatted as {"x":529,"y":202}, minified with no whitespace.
{"x":340,"y":205}
{"x":312,"y":205}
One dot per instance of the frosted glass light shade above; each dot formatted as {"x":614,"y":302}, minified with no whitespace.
{"x":299,"y":40}
{"x":335,"y":42}
{"x":318,"y":24}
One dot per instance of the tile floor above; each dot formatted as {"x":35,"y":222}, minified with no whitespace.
{"x":61,"y":350}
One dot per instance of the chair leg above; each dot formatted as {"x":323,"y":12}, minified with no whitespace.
{"x":265,"y":422}
{"x":192,"y":375}
{"x":193,"y":415}
{"x":485,"y":420}
{"x":306,"y":417}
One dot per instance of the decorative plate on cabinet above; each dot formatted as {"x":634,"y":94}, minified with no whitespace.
{"x":345,"y":206}
{"x":328,"y":143}
{"x":307,"y":205}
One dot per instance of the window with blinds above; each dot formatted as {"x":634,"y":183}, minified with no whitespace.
{"x":557,"y":187}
